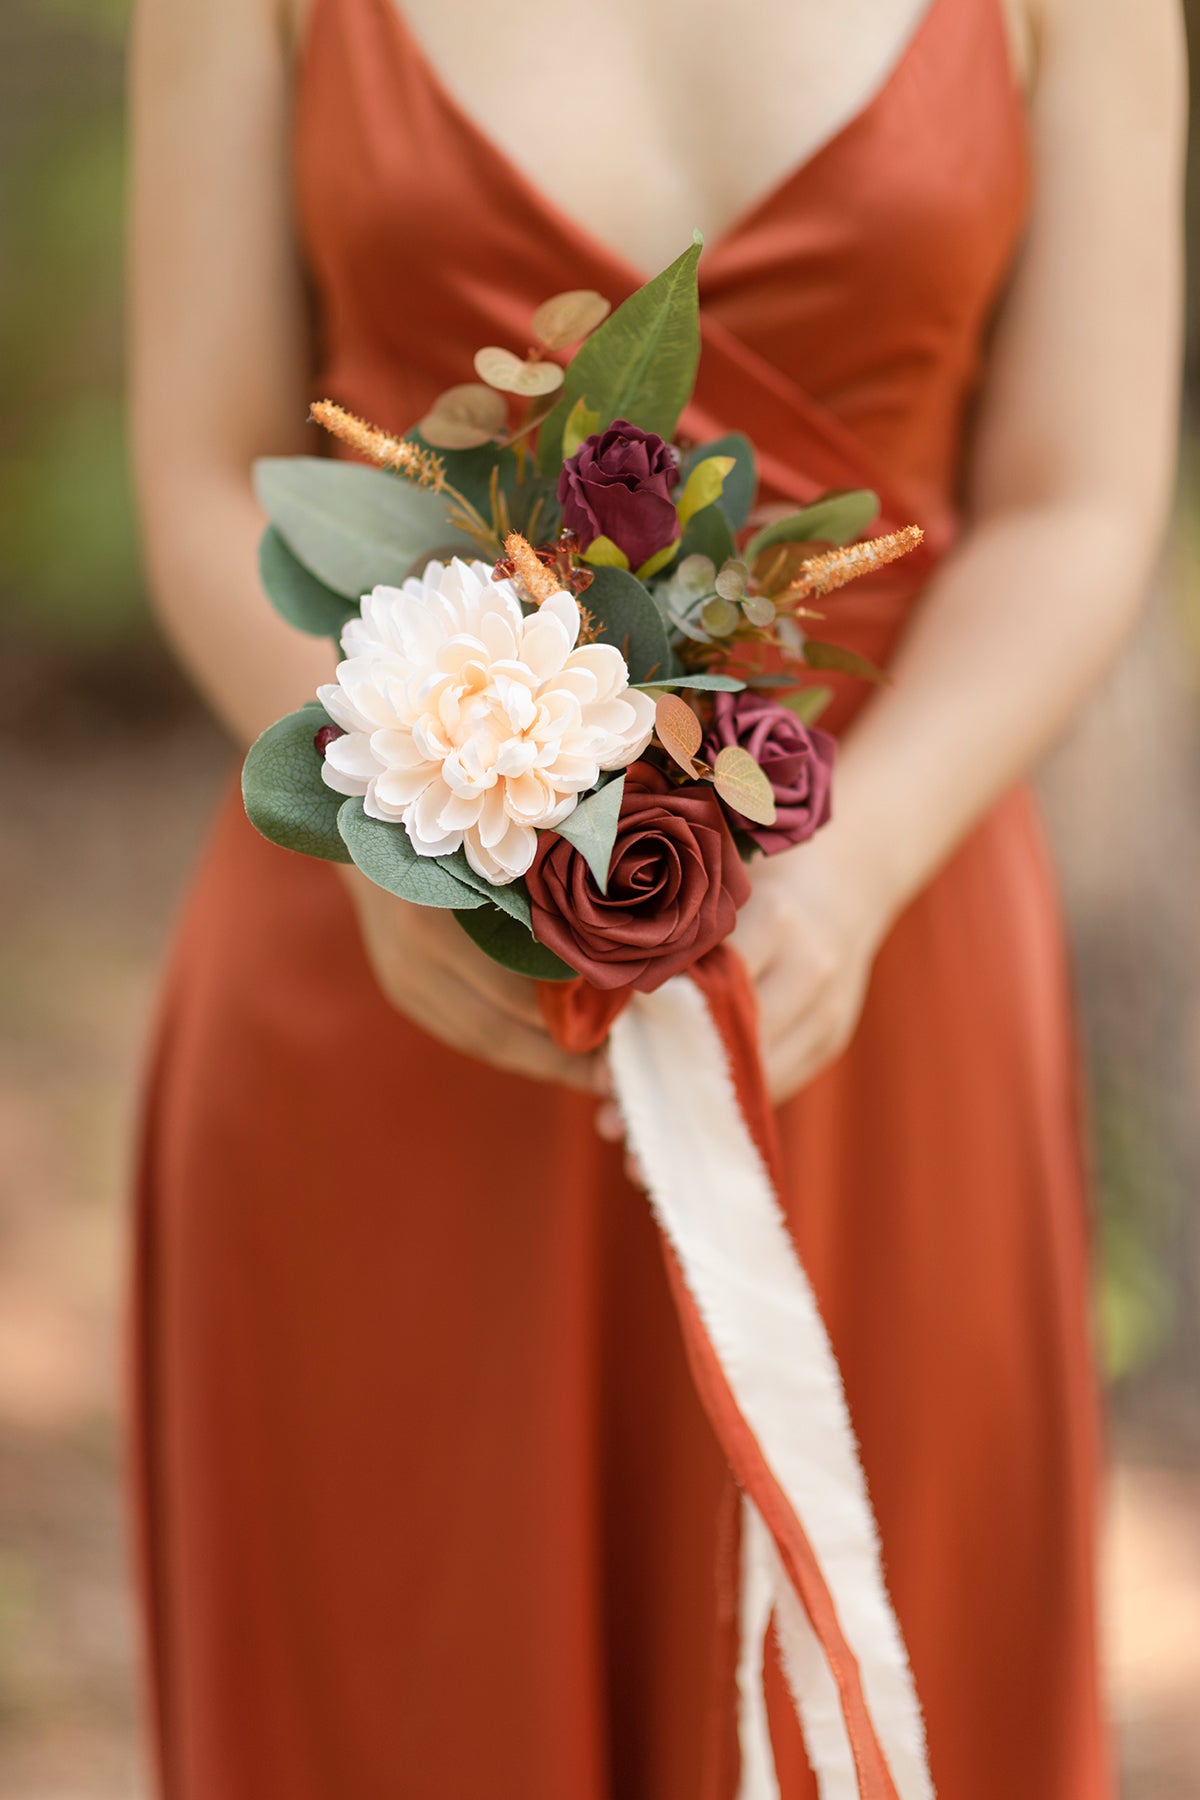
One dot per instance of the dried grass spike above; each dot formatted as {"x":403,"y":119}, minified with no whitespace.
{"x":538,"y":581}
{"x":822,"y":574}
{"x":380,"y":447}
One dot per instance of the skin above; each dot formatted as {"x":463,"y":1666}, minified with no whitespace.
{"x":1070,"y":465}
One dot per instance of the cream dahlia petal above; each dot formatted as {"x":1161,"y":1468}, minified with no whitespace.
{"x":546,"y":643}
{"x":605,"y":664}
{"x":505,"y":860}
{"x":398,"y":788}
{"x":354,"y":758}
{"x":342,"y":709}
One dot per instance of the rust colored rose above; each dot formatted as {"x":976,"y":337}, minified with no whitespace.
{"x":796,"y":759}
{"x":618,"y":485}
{"x":675,"y":883}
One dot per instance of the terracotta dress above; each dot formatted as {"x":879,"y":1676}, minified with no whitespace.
{"x":428,"y":1504}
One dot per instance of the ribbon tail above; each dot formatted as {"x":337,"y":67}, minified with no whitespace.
{"x":688,"y":1082}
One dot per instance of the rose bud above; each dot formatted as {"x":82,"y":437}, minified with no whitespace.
{"x":618,"y":485}
{"x":675,"y":883}
{"x":796,"y":759}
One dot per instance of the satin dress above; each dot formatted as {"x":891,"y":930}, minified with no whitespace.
{"x":427,"y":1503}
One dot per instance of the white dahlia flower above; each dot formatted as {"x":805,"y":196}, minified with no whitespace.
{"x":472,"y":723}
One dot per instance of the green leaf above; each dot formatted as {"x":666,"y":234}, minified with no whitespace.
{"x":386,"y":857}
{"x":819,"y":655}
{"x":512,"y":946}
{"x":352,"y":527}
{"x":626,"y":616}
{"x":512,"y":898}
{"x":834,"y":519}
{"x":658,"y":561}
{"x":703,"y":485}
{"x":640,"y":364}
{"x":470,"y":471}
{"x":714,"y":683}
{"x":710,"y":534}
{"x":741,"y":484}
{"x":298,"y":596}
{"x":285,"y":797}
{"x":592,"y":828}
{"x":807,"y":703}
{"x":581,"y":423}
{"x":602,"y":553}
{"x":741,"y":784}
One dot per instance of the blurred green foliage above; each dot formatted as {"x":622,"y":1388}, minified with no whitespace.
{"x":68,"y":558}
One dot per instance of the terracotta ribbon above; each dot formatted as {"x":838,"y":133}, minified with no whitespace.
{"x":690,"y":1085}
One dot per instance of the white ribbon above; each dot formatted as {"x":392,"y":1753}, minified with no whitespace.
{"x":713,"y":1199}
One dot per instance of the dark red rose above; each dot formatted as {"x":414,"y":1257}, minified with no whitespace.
{"x":796,"y":759}
{"x":618,"y":485}
{"x":675,"y":883}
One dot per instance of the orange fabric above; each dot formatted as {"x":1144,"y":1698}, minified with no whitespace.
{"x":429,"y":1502}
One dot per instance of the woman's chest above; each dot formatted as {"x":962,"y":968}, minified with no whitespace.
{"x":640,"y":121}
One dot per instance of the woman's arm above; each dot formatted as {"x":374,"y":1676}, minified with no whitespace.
{"x":219,"y":360}
{"x":1070,"y":482}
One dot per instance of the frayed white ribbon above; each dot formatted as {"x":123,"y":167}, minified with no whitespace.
{"x":713,"y":1199}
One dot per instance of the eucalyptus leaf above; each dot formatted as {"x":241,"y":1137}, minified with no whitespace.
{"x":592,"y":828}
{"x":711,"y":682}
{"x":284,"y":794}
{"x":741,"y":483}
{"x":500,"y":936}
{"x":352,"y":527}
{"x":640,"y":364}
{"x":512,"y":898}
{"x":296,"y":595}
{"x":626,"y":616}
{"x":386,"y":857}
{"x":709,"y":533}
{"x":834,"y":519}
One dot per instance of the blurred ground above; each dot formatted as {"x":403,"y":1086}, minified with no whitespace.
{"x":95,"y":842}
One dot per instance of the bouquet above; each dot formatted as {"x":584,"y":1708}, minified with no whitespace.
{"x":574,"y":702}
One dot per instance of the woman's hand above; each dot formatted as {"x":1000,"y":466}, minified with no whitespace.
{"x":808,"y":935}
{"x":430,"y":970}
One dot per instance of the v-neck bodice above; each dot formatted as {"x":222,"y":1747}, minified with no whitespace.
{"x":857,"y":290}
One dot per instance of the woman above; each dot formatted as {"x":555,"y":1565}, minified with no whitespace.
{"x":428,"y":1503}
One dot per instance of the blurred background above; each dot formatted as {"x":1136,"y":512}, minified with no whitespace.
{"x":111,"y":770}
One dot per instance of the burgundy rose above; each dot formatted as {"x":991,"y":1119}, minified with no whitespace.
{"x":675,"y":883}
{"x":618,"y":485}
{"x":796,"y":759}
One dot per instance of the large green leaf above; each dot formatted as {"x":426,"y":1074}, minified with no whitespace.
{"x":741,"y":483}
{"x":626,"y":616}
{"x":709,"y":533}
{"x":350,"y":526}
{"x":283,"y":792}
{"x":500,"y":936}
{"x":302,"y":600}
{"x":592,"y":828}
{"x":386,"y":857}
{"x":639,"y":365}
{"x":834,"y":519}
